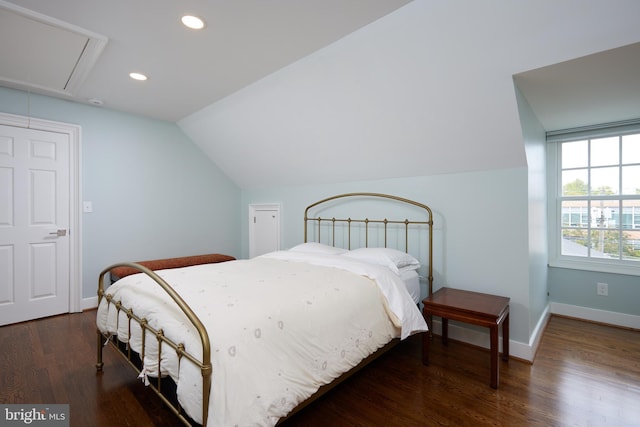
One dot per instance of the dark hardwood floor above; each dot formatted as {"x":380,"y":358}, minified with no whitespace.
{"x":584,"y":375}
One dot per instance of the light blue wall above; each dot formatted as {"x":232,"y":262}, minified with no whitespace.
{"x":578,"y":287}
{"x":481,"y":230}
{"x":565,"y":286}
{"x":154,"y":193}
{"x":535,"y":147}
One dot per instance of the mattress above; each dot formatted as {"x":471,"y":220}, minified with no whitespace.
{"x":412,"y":282}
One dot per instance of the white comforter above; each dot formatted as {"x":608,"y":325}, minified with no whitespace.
{"x":280,"y":326}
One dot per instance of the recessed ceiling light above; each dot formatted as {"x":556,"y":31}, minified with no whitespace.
{"x":193,"y":22}
{"x":138,"y":76}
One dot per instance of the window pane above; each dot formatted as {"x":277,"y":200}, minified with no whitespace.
{"x":574,"y":182}
{"x":630,"y":219}
{"x":631,"y":180}
{"x":631,"y":246}
{"x":604,"y":151}
{"x":605,"y":214}
{"x":575,"y":154}
{"x":575,"y":213}
{"x":604,"y":181}
{"x":631,"y":149}
{"x":574,"y":243}
{"x":605,"y":243}
{"x":632,"y":209}
{"x":631,"y":230}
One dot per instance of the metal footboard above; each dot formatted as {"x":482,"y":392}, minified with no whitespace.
{"x":156,"y":385}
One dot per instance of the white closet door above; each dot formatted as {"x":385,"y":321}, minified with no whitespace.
{"x":264,"y":229}
{"x":34,"y":224}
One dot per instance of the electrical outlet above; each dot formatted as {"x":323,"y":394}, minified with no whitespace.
{"x":602,"y":289}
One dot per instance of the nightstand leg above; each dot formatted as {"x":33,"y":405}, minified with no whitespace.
{"x":445,"y":331}
{"x":505,"y":339}
{"x":494,"y":355}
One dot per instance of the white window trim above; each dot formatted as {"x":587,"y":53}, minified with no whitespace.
{"x":554,"y":182}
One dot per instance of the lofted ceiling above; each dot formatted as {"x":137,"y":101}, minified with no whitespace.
{"x":84,"y":50}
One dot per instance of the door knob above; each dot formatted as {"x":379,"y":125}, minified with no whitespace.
{"x":59,"y":233}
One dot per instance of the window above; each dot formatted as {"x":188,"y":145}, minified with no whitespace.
{"x":595,"y":198}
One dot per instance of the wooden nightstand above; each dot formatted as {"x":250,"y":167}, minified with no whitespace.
{"x":476,"y":308}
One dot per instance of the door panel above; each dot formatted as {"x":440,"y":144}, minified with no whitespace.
{"x":43,"y":268}
{"x":6,"y":274}
{"x":34,"y":258}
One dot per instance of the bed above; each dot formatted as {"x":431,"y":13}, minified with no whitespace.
{"x":251,"y":342}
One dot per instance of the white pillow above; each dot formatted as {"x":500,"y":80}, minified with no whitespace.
{"x":318,"y":248}
{"x":408,"y":268}
{"x":390,"y":258}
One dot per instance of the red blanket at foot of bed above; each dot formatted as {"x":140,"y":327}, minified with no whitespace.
{"x":163,"y":264}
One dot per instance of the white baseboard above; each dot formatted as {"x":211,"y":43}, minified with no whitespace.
{"x":90,"y":303}
{"x":595,"y":315}
{"x":534,"y":340}
{"x":480,"y":338}
{"x":527,"y":351}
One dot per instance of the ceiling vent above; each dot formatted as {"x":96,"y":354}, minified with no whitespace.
{"x":43,"y":54}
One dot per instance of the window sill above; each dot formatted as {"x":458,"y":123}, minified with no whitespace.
{"x":596,"y":265}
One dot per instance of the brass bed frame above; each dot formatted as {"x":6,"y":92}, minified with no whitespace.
{"x":156,"y":383}
{"x":333,"y":221}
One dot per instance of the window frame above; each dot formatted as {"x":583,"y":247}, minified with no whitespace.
{"x":555,"y":199}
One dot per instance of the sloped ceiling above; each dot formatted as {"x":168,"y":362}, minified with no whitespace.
{"x":427,"y":90}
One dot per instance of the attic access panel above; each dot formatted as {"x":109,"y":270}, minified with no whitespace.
{"x":42,"y":53}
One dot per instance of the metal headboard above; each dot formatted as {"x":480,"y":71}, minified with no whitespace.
{"x":366,"y":221}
